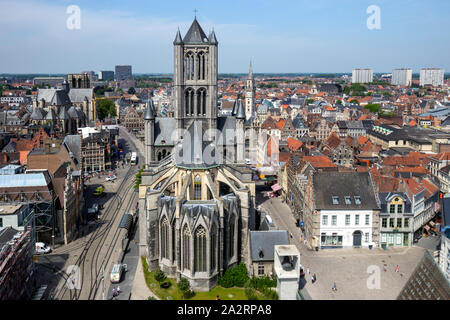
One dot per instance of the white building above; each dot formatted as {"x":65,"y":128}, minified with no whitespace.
{"x":343,"y":210}
{"x":362,"y":75}
{"x":402,"y":77}
{"x":287,"y":269}
{"x":432,"y":76}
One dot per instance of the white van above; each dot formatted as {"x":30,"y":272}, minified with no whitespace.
{"x":117,"y":271}
{"x":42,"y":248}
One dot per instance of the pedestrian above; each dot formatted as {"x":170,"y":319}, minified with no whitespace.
{"x":114,"y":292}
{"x":385,"y":268}
{"x":396,"y":268}
{"x":217,"y":297}
{"x":313,"y":278}
{"x":118,"y":290}
{"x":334,"y":287}
{"x":307,"y":271}
{"x":291,"y":235}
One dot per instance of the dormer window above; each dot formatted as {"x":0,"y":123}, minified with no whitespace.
{"x":357,"y":200}
{"x":347,"y":200}
{"x":335,"y":200}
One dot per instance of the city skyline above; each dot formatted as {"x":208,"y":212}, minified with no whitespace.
{"x":298,"y":40}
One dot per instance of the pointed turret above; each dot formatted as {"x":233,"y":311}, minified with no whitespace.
{"x":178,"y":38}
{"x":235,"y":106}
{"x":149,"y":111}
{"x":212,"y":38}
{"x":240,"y":114}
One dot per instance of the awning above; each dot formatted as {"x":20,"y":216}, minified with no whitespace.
{"x":126,"y":221}
{"x":431,"y":223}
{"x":276,"y":187}
{"x":427,"y":227}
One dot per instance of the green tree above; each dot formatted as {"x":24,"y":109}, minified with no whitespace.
{"x":373,"y":107}
{"x":105,"y":108}
{"x":354,"y":101}
{"x":339,"y":102}
{"x":184,"y":287}
{"x":160,"y":276}
{"x":131,"y":91}
{"x":309,"y":101}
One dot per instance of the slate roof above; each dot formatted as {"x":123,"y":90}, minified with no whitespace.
{"x":73,"y":145}
{"x":79,"y":95}
{"x":342,"y":184}
{"x":227,"y":125}
{"x":262,"y":243}
{"x":191,"y":150}
{"x":38,"y":114}
{"x":386,"y":197}
{"x":195,"y":34}
{"x":164,"y":127}
{"x":53,"y":96}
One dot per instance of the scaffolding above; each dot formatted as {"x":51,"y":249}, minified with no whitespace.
{"x":16,"y":266}
{"x":41,"y":203}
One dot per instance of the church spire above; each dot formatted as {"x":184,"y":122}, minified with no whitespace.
{"x":178,"y":38}
{"x":250,"y":71}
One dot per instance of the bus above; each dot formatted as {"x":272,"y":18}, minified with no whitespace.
{"x":133,"y":160}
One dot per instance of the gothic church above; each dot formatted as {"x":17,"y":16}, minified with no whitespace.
{"x":197,"y":197}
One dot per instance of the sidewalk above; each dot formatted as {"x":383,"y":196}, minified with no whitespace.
{"x":140,"y":290}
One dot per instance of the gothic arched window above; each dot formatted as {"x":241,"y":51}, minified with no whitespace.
{"x":197,"y":188}
{"x":189,"y":101}
{"x":201,"y":101}
{"x":201,"y":70}
{"x":200,"y":250}
{"x":165,"y":238}
{"x":189,"y":66}
{"x":213,"y":247}
{"x":231,"y":237}
{"x":186,"y":248}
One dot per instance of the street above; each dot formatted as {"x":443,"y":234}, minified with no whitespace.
{"x":99,"y":243}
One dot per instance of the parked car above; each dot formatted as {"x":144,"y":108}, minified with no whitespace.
{"x":111,"y":178}
{"x":42,"y":248}
{"x":117,"y":272}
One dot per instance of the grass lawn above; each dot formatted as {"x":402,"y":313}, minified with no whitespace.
{"x":237,"y":294}
{"x":175,"y":294}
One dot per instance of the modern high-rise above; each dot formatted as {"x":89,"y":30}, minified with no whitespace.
{"x":123,"y":73}
{"x":362,"y":75}
{"x":431,"y":76}
{"x":106,"y":75}
{"x":402,"y":77}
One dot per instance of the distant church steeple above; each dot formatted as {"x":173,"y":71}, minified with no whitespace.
{"x":250,"y":94}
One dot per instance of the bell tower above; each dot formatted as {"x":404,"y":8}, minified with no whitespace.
{"x":250,"y":94}
{"x":195,"y":78}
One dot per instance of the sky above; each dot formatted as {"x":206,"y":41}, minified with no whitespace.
{"x":296,"y":36}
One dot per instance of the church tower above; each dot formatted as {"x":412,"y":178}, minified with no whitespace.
{"x":250,"y":94}
{"x":195,"y":78}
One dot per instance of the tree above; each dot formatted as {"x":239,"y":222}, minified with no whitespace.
{"x":309,"y":101}
{"x":160,"y":276}
{"x":131,"y":91}
{"x":354,"y":101}
{"x":339,"y":102}
{"x":105,"y":108}
{"x":184,"y":287}
{"x":373,"y":107}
